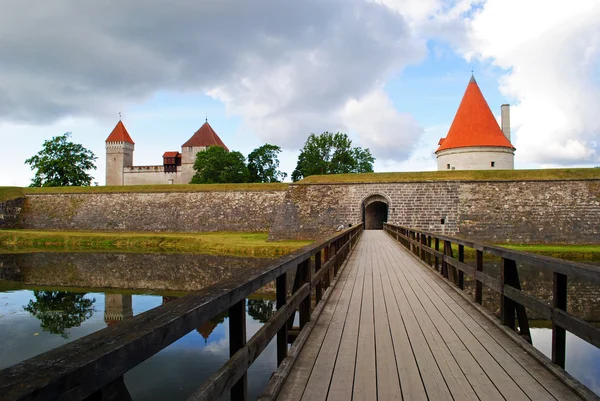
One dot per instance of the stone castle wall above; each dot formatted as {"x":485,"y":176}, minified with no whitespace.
{"x":491,"y":211}
{"x":251,"y":211}
{"x":499,"y":211}
{"x":10,"y":211}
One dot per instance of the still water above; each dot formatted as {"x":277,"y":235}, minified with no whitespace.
{"x":583,"y":301}
{"x":50,"y":299}
{"x":42,"y":317}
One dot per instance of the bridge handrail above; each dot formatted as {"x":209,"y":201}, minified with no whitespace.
{"x":512,"y":299}
{"x":95,"y":364}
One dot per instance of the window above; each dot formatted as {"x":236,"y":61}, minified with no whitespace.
{"x":448,"y":166}
{"x":493,"y":164}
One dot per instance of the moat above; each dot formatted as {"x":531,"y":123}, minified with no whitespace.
{"x":50,"y":299}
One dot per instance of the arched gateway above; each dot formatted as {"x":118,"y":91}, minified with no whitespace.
{"x":375,"y":212}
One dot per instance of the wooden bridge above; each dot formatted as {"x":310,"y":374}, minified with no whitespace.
{"x":382,"y":316}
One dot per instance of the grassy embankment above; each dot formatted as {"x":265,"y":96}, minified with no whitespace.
{"x":459,"y":175}
{"x":578,"y":253}
{"x":215,"y":243}
{"x":7,"y":193}
{"x":222,"y":243}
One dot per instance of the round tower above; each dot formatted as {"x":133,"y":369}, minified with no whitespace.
{"x":475,"y":141}
{"x":119,"y":154}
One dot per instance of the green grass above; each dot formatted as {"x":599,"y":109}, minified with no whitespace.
{"x":570,"y":252}
{"x":215,"y":243}
{"x":15,"y":192}
{"x":459,"y":175}
{"x":9,"y":193}
{"x":578,"y":253}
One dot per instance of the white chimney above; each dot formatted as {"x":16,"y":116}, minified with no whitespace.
{"x":505,"y":116}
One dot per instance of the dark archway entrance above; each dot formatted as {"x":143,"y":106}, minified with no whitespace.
{"x":375,"y":212}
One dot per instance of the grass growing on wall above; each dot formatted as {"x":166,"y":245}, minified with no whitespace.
{"x":9,"y":193}
{"x":278,"y":186}
{"x":459,"y":175}
{"x":217,"y":243}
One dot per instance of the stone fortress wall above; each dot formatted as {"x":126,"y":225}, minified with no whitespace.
{"x":492,"y":211}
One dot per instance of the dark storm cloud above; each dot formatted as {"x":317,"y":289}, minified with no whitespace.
{"x":286,"y":60}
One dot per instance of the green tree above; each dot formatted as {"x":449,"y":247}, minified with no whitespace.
{"x":58,"y":311}
{"x":263,"y":164}
{"x":62,"y":163}
{"x":216,"y":165}
{"x":330,"y":153}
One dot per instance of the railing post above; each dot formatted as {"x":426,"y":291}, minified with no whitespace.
{"x":237,"y":340}
{"x":326,"y":278}
{"x":461,"y":274}
{"x":507,"y":305}
{"x":479,"y":284}
{"x":305,"y":275}
{"x":559,"y":301}
{"x":319,"y":286}
{"x":437,"y":248}
{"x":282,"y":334}
{"x":428,"y":253}
{"x":423,"y":243}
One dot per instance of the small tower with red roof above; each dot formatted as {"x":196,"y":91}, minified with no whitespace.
{"x":119,"y":154}
{"x":200,"y":141}
{"x":475,"y":141}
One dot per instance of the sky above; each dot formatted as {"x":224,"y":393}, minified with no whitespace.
{"x":389,"y":73}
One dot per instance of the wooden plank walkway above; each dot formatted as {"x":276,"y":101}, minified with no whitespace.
{"x":393,"y":330}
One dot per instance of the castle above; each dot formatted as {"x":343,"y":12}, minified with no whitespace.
{"x":177,"y":167}
{"x":475,"y":141}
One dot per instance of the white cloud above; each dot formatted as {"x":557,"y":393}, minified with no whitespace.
{"x":389,"y":135}
{"x":551,"y":51}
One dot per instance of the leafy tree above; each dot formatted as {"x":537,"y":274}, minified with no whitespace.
{"x":263,"y":164}
{"x":330,"y":153}
{"x":58,"y":311}
{"x":62,"y":163}
{"x":216,"y":165}
{"x":261,"y":309}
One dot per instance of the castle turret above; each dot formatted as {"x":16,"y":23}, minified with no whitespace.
{"x":475,"y":141}
{"x":202,"y":139}
{"x":119,"y":154}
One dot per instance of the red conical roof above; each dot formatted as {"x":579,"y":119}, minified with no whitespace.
{"x":120,"y":134}
{"x":205,"y":136}
{"x":474,"y":123}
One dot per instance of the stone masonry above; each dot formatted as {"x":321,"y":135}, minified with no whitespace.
{"x":250,"y":211}
{"x":9,"y":212}
{"x":492,"y":211}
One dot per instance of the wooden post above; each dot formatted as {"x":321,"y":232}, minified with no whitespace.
{"x":437,"y":248}
{"x":237,"y":340}
{"x":319,"y":287}
{"x":326,"y":278}
{"x":461,"y":274}
{"x":507,"y":306}
{"x":559,"y":335}
{"x":423,"y":243}
{"x":305,"y":306}
{"x":429,"y":254}
{"x":282,"y":334}
{"x":479,"y":284}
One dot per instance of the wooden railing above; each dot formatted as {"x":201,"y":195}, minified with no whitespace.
{"x":92,"y":367}
{"x":513,"y":301}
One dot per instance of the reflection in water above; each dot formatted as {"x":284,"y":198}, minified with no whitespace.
{"x":59,"y":311}
{"x":117,"y":307}
{"x":261,"y":309}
